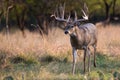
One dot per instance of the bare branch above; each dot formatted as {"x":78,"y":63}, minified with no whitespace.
{"x":11,"y":6}
{"x":7,"y":19}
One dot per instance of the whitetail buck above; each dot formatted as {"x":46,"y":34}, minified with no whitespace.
{"x":81,"y":36}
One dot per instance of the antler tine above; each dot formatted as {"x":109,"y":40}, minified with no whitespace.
{"x":86,"y":10}
{"x":63,"y":11}
{"x":85,"y":7}
{"x":84,"y":15}
{"x":68,"y":18}
{"x":60,"y":14}
{"x":75,"y":16}
{"x":53,"y":15}
{"x":55,"y":12}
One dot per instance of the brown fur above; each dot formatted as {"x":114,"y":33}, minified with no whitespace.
{"x":81,"y":38}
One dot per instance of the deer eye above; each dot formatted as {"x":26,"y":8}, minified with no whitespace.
{"x":72,"y":26}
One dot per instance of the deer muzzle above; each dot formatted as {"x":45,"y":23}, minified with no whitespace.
{"x":66,"y":32}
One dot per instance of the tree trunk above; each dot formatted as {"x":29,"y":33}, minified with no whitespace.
{"x":20,"y":21}
{"x":45,"y":26}
{"x":107,"y":10}
{"x":1,"y":16}
{"x":114,"y":4}
{"x":7,"y":19}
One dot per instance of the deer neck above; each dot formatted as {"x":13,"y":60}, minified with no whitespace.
{"x":76,"y":39}
{"x":75,"y":33}
{"x":77,"y":36}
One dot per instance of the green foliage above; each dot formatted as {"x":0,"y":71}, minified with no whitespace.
{"x":93,"y":76}
{"x":8,"y":78}
{"x":109,"y":76}
{"x":3,"y":58}
{"x":25,"y":59}
{"x":33,"y":8}
{"x":116,"y":75}
{"x":29,"y":66}
{"x":101,"y":60}
{"x":77,"y":76}
{"x":25,"y":67}
{"x":48,"y":58}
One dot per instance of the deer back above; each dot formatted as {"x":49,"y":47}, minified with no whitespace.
{"x":90,"y":33}
{"x":85,"y":35}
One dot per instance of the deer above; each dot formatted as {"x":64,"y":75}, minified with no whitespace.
{"x":82,"y":36}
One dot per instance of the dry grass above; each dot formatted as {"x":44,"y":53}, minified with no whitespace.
{"x":109,"y":40}
{"x":55,"y":42}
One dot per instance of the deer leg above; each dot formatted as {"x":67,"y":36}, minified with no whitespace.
{"x":89,"y":60}
{"x":74,"y":60}
{"x":94,"y":55}
{"x":85,"y":50}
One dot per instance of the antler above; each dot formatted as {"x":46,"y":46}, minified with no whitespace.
{"x":62,"y":12}
{"x":85,"y":16}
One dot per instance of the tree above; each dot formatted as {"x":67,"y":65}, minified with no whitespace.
{"x":114,"y":5}
{"x":107,"y":9}
{"x":7,"y":5}
{"x":20,"y":12}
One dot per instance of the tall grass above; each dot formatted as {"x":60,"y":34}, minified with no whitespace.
{"x":109,"y":40}
{"x":57,"y":42}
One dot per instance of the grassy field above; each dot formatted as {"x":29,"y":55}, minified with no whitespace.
{"x":50,"y":58}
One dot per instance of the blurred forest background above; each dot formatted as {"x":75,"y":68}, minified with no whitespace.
{"x":33,"y":45}
{"x":22,"y":13}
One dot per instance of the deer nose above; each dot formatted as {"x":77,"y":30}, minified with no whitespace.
{"x":66,"y":32}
